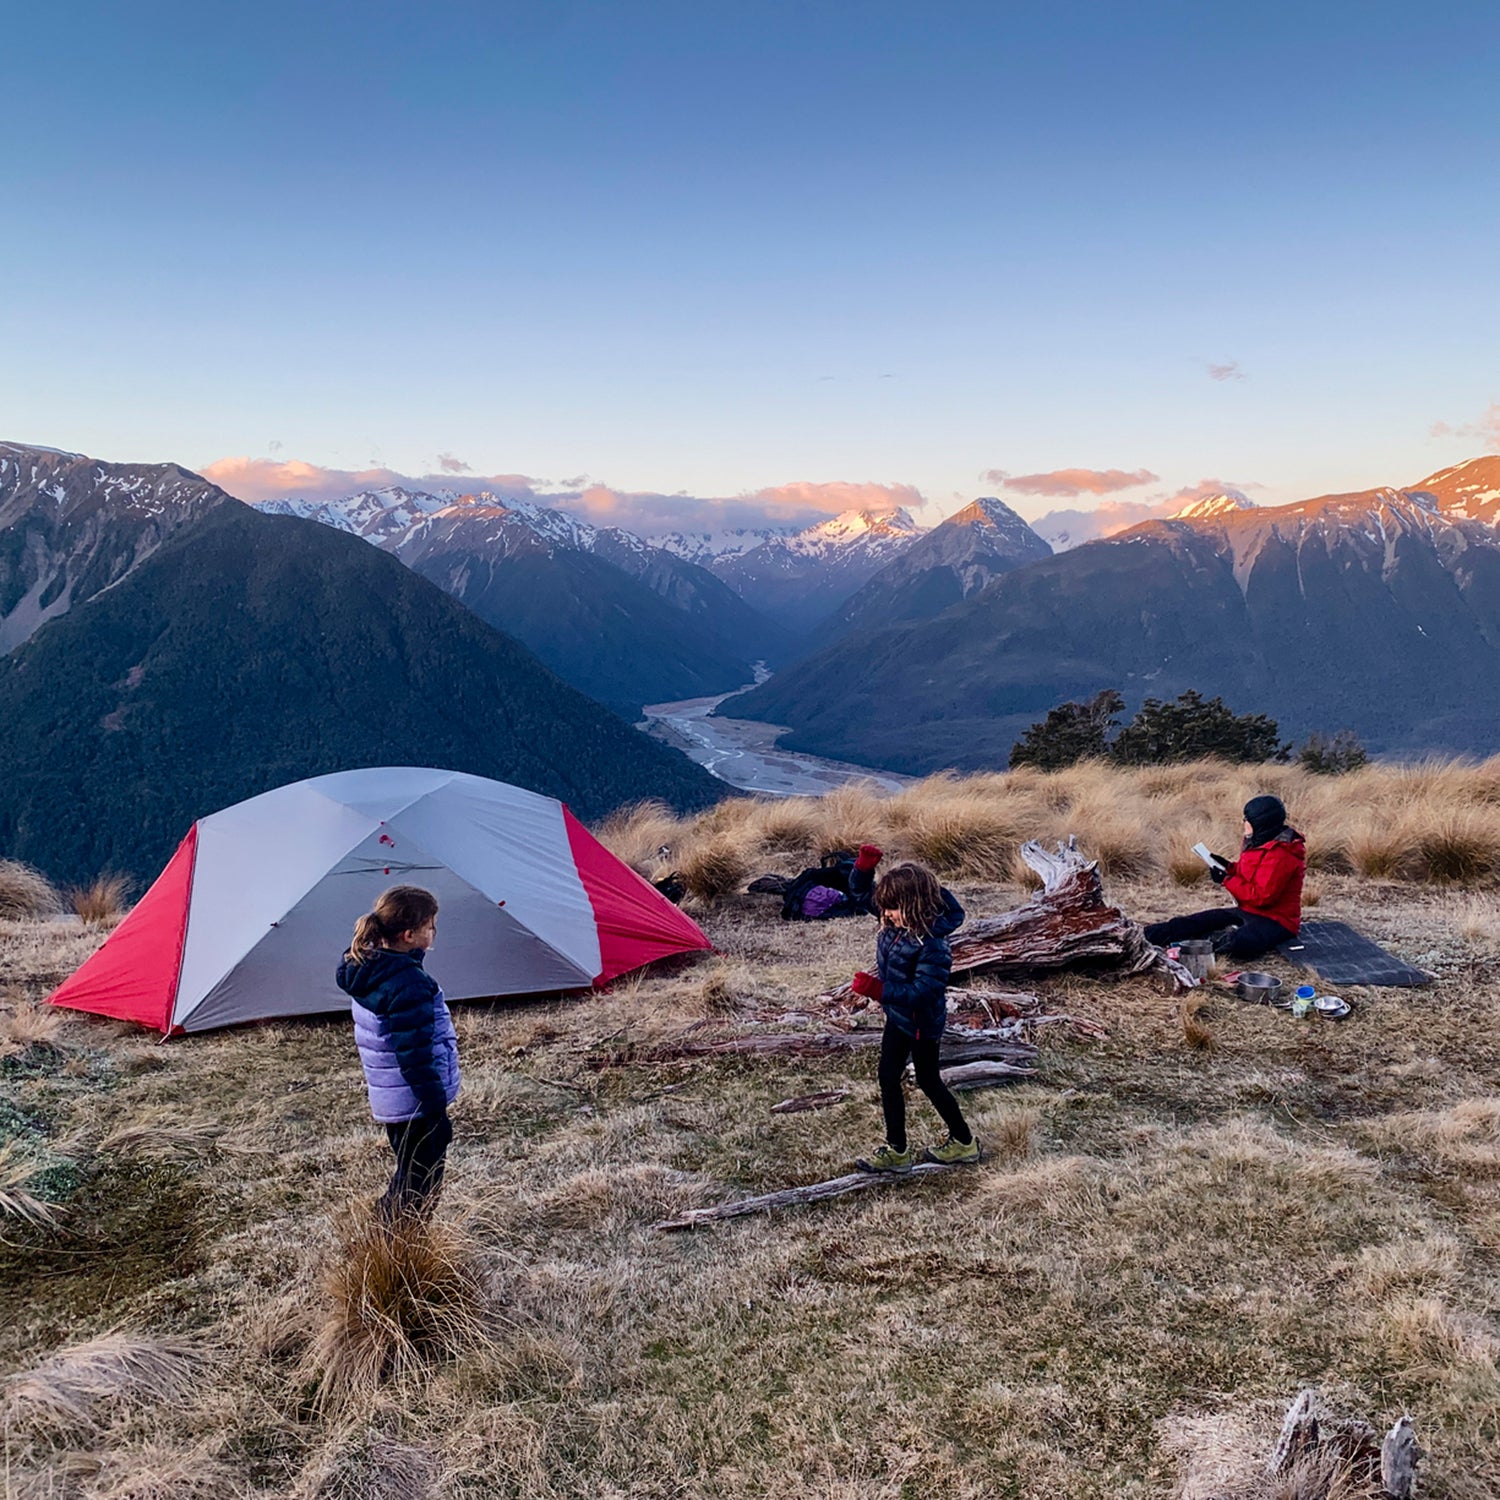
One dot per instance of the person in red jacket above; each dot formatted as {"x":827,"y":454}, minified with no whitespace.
{"x":1266,"y":883}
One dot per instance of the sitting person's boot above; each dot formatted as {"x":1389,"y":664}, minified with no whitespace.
{"x":888,"y":1159}
{"x":954,"y":1153}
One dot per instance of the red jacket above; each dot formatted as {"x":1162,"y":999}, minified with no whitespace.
{"x":1267,"y":880}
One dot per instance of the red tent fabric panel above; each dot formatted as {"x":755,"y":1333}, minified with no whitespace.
{"x":133,"y":977}
{"x":637,"y":924}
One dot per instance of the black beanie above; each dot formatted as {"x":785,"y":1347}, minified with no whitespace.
{"x":1266,"y":817}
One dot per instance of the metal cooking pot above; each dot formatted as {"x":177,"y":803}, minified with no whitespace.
{"x":1259,"y":989}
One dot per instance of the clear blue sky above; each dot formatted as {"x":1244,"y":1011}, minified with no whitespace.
{"x":714,"y":247}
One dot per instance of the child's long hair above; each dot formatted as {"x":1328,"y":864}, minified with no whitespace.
{"x":911,"y":896}
{"x":403,"y":908}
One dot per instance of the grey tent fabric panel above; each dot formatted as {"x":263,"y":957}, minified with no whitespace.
{"x":481,"y":949}
{"x":1339,"y":955}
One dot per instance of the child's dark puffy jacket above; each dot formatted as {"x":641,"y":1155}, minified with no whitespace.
{"x":405,"y":1035}
{"x":913,"y":971}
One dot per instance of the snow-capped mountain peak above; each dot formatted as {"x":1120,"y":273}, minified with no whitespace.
{"x":1207,"y":506}
{"x":864,"y":528}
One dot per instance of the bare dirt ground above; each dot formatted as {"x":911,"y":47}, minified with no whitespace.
{"x":1166,"y":1240}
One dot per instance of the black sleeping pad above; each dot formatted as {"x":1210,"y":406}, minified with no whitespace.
{"x":1339,"y":955}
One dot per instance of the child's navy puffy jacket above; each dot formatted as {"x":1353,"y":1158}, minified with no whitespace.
{"x":406,"y":1041}
{"x":913,"y":971}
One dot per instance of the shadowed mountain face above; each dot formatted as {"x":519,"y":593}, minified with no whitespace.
{"x":944,"y":566}
{"x":1374,"y":612}
{"x":625,"y":622}
{"x":250,"y":650}
{"x":71,"y":526}
{"x":622,"y":620}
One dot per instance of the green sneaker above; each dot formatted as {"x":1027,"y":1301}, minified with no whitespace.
{"x":888,"y":1159}
{"x":954,"y":1153}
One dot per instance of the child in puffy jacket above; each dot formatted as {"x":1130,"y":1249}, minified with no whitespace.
{"x":406,"y":1042}
{"x":1265,"y":882}
{"x":912,"y":964}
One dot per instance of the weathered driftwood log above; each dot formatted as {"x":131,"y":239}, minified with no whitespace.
{"x":814,"y":1192}
{"x":1399,"y":1456}
{"x":984,"y":1075}
{"x":1065,"y":925}
{"x":810,"y":1101}
{"x":1309,"y":1432}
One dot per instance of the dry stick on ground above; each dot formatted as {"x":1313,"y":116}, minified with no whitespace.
{"x":814,"y":1192}
{"x":810,"y":1101}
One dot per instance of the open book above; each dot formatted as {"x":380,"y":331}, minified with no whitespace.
{"x":1209,"y":858}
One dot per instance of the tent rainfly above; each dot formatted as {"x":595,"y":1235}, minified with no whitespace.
{"x":249,"y":917}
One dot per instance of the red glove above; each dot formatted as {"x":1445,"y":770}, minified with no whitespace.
{"x":869,"y":857}
{"x":867,"y":985}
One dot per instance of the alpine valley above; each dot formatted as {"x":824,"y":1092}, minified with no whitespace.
{"x":1376,"y":611}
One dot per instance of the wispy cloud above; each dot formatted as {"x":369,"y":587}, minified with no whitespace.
{"x":649,"y":513}
{"x":1486,"y":430}
{"x":450,"y":465}
{"x":1070,"y":482}
{"x":1230,"y":370}
{"x":1071,"y":528}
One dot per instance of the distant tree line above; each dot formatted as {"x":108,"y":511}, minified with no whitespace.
{"x":1191,"y":728}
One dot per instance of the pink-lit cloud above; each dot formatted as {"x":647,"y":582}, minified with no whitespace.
{"x":649,"y":513}
{"x":1071,"y":528}
{"x":1070,"y":482}
{"x":256,"y":479}
{"x":450,"y":465}
{"x":1486,"y":430}
{"x":1229,"y":370}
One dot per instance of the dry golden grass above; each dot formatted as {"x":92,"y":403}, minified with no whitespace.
{"x":68,"y":1388}
{"x":1436,"y":822}
{"x":103,"y":901}
{"x":1163,"y":1243}
{"x":25,"y":894}
{"x":713,"y":868}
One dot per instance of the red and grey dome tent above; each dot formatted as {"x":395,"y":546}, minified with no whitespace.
{"x":249,"y":917}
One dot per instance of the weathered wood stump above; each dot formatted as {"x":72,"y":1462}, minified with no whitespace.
{"x":1067,"y":924}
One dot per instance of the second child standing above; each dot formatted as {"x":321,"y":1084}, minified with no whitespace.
{"x":910,"y":982}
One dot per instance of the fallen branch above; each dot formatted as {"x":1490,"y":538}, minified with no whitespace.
{"x":815,"y":1192}
{"x":984,"y":1075}
{"x":810,"y":1101}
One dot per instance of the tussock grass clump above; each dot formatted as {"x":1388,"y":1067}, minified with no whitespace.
{"x":400,"y":1295}
{"x":638,"y":832}
{"x":962,"y":839}
{"x":1184,"y":868}
{"x":19,"y":1201}
{"x":26,"y":895}
{"x":103,"y":901}
{"x":29,"y":1026}
{"x":370,"y":1466}
{"x":715,"y":868}
{"x":721,"y":993}
{"x":1196,"y":1032}
{"x":1457,"y":846}
{"x":792,"y":825}
{"x":69,"y":1388}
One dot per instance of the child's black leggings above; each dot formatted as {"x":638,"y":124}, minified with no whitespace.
{"x":420,"y":1146}
{"x":895,"y":1048}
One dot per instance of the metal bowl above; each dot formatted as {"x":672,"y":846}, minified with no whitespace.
{"x":1332,"y":1007}
{"x":1259,"y":989}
